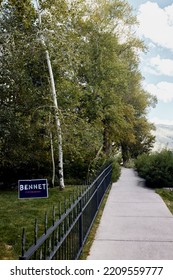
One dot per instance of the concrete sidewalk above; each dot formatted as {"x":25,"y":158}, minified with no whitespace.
{"x":136,"y":223}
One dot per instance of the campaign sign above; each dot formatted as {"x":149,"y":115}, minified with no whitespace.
{"x":36,"y":188}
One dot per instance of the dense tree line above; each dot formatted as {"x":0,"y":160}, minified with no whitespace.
{"x":101,"y":103}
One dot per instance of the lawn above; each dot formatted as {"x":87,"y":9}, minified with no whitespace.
{"x":167,"y":196}
{"x":18,"y":213}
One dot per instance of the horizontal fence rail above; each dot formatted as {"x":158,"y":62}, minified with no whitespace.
{"x":65,"y":239}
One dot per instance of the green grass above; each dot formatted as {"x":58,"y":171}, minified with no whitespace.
{"x":167,"y":196}
{"x":18,"y":213}
{"x":94,"y":228}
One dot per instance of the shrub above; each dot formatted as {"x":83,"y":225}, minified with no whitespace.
{"x":156,"y":169}
{"x":116,"y":170}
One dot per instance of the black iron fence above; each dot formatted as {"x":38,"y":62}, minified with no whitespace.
{"x":65,"y":239}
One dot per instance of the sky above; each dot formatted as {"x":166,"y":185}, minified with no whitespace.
{"x":155,"y":18}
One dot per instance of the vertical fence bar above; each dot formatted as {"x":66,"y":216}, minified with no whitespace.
{"x":66,"y":236}
{"x":41,"y":253}
{"x":35,"y":236}
{"x":53,"y":223}
{"x":45,"y":232}
{"x":80,"y":225}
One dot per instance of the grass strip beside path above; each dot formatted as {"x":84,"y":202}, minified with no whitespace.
{"x":167,"y":196}
{"x":94,"y":228}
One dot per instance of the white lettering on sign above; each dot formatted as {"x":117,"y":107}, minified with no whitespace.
{"x":28,"y":187}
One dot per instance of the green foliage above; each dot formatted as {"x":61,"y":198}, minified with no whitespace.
{"x":102,"y":106}
{"x":129,"y":163}
{"x":116,"y":167}
{"x":116,"y":170}
{"x":156,"y":169}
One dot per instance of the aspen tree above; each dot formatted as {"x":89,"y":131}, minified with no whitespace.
{"x":54,"y":98}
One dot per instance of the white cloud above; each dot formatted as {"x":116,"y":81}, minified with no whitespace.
{"x":157,"y":23}
{"x":148,"y":69}
{"x":158,"y":66}
{"x":161,"y":121}
{"x":163,"y":91}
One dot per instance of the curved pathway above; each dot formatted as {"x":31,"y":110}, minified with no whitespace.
{"x":136,"y":223}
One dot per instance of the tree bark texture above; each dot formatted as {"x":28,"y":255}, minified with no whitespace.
{"x":54,"y":98}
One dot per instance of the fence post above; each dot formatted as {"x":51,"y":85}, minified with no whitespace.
{"x":81,"y":225}
{"x":97,"y":199}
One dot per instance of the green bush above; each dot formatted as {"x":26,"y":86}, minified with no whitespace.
{"x":156,"y":169}
{"x":116,"y":170}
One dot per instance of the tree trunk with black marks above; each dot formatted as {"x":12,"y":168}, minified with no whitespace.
{"x":54,"y":98}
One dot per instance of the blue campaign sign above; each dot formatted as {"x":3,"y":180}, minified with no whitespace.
{"x":36,"y":188}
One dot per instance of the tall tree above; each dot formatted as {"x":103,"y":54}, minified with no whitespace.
{"x":23,"y":92}
{"x":54,"y":98}
{"x":110,"y":74}
{"x":94,"y":61}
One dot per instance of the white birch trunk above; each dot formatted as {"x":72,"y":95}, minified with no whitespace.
{"x":52,"y":153}
{"x":53,"y":160}
{"x":54,"y":98}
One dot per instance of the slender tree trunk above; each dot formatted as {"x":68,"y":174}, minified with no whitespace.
{"x":52,"y":154}
{"x":54,"y":98}
{"x":57,"y":121}
{"x":125,"y":153}
{"x":53,"y":160}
